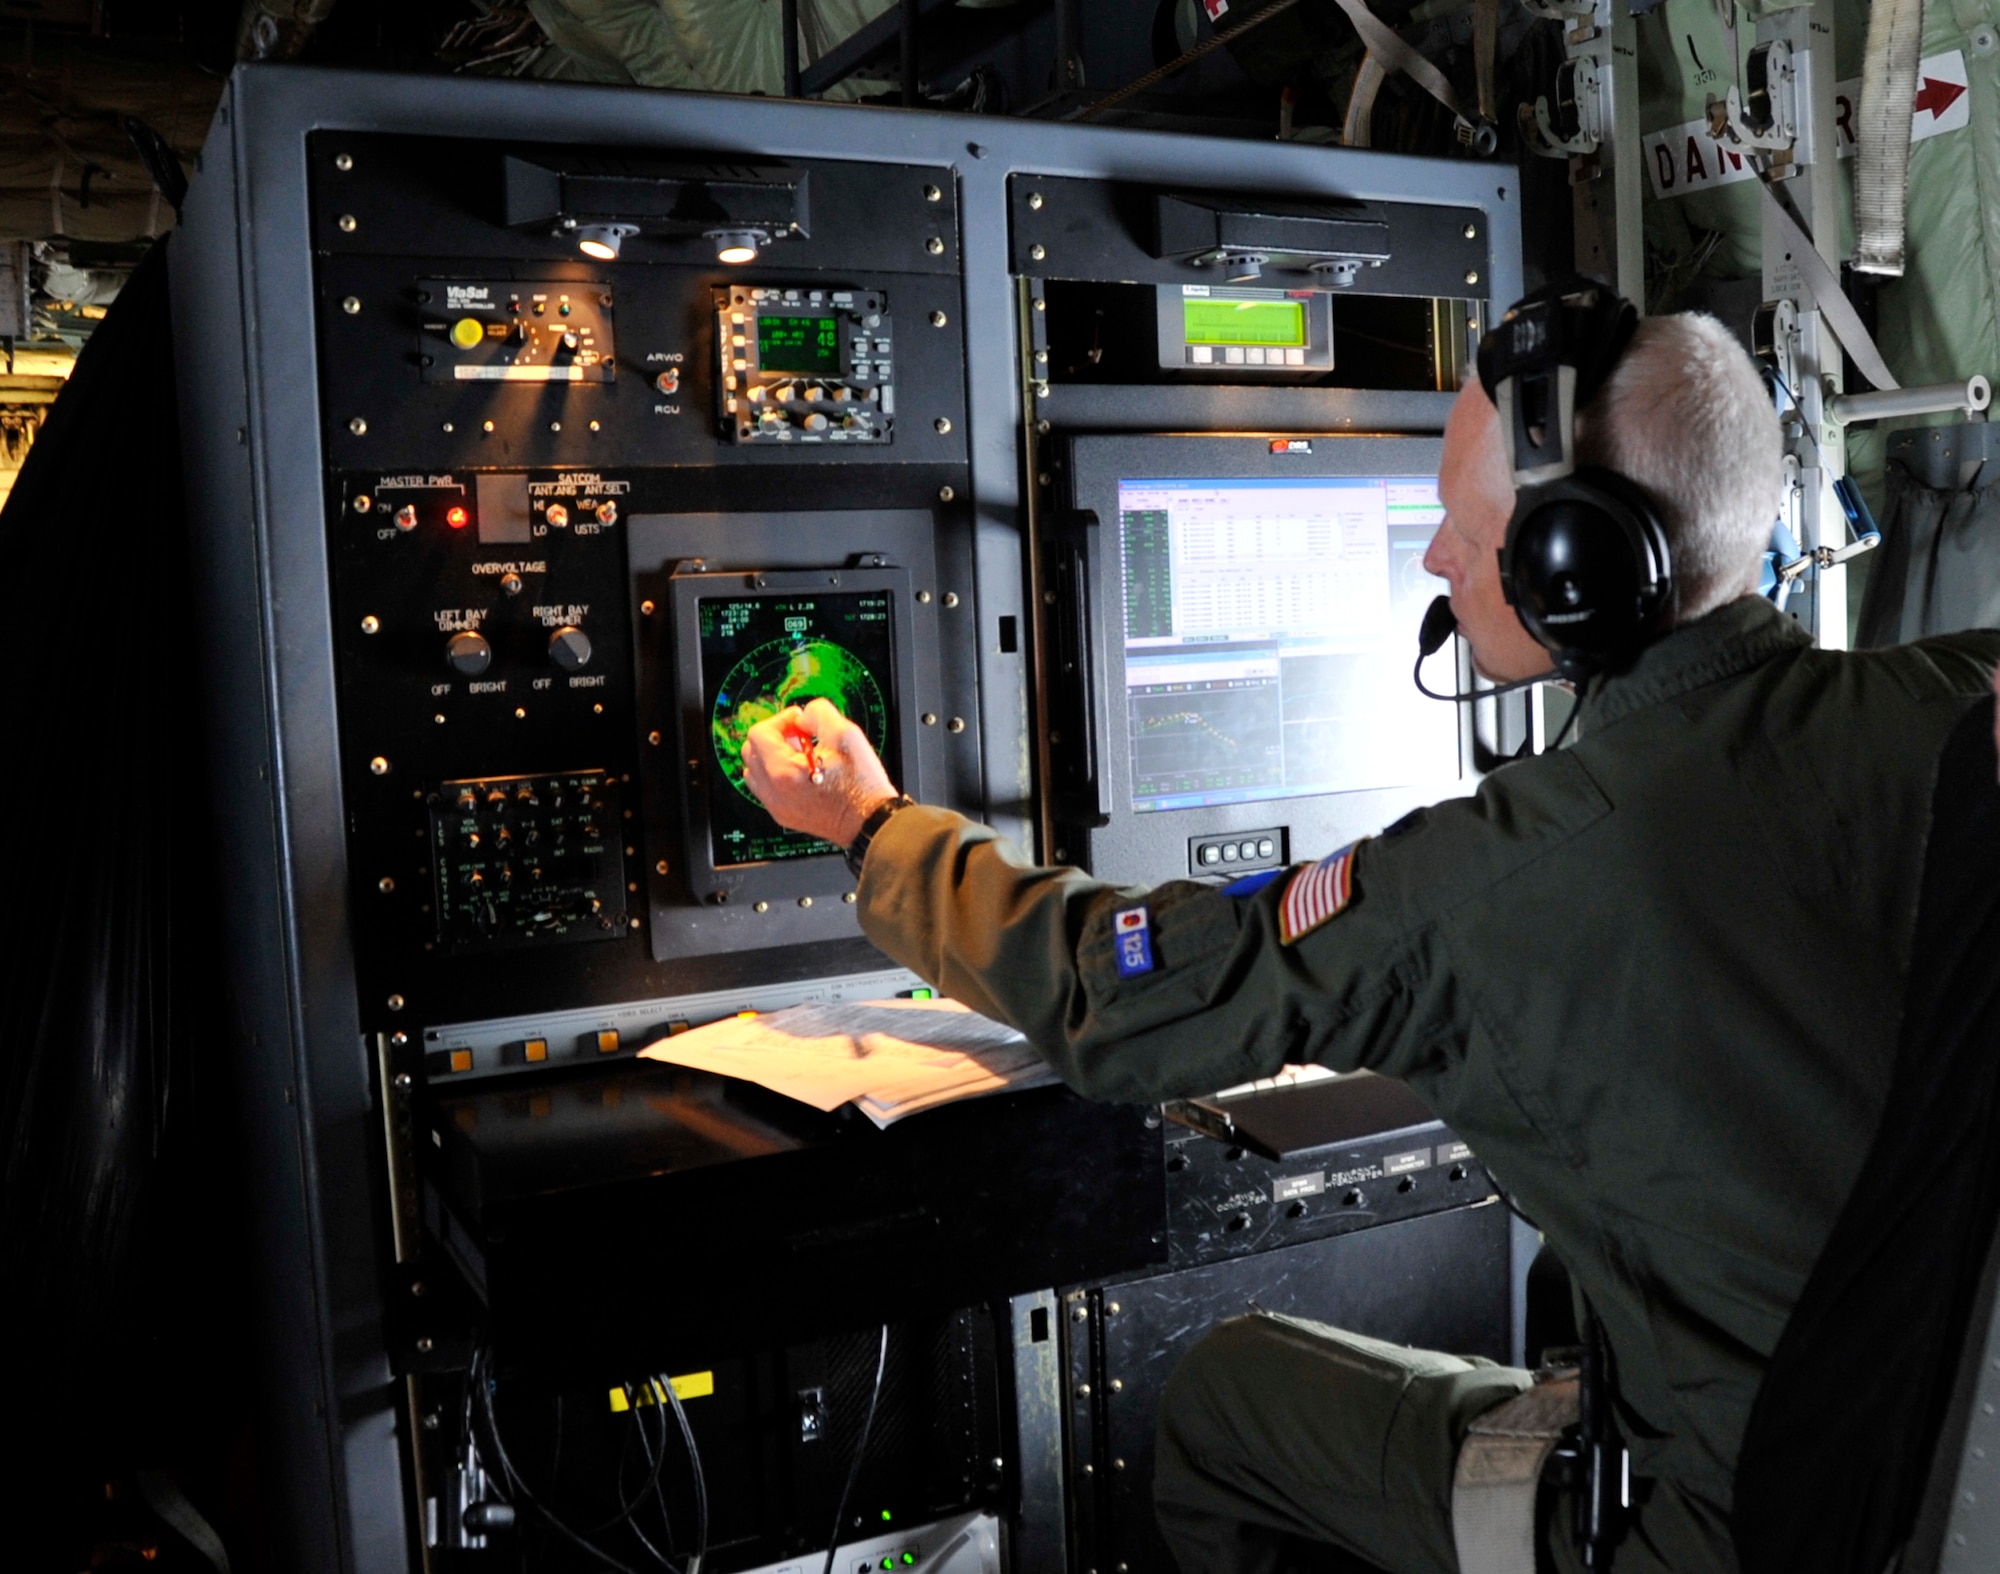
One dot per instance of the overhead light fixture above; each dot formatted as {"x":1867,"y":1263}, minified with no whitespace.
{"x":737,"y":246}
{"x":603,"y":241}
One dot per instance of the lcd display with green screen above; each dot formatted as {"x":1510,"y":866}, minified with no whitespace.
{"x":787,"y":343}
{"x":1244,"y":322}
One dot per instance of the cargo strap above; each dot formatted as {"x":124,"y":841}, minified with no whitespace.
{"x":1823,"y":286}
{"x":1882,"y":134}
{"x":1499,"y":1468}
{"x":1395,"y":55}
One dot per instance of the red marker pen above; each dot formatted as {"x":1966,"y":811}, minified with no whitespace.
{"x":807,"y":743}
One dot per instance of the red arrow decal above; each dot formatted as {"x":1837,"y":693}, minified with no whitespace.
{"x":1937,"y":96}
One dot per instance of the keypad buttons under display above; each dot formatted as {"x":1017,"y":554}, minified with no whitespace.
{"x":1230,"y":853}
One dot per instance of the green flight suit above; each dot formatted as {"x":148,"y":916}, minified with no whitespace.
{"x":1653,"y":979}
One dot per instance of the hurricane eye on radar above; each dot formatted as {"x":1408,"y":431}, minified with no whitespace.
{"x":786,"y":672}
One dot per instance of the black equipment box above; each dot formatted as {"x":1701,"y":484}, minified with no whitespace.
{"x":571,"y":1204}
{"x":1438,"y":1282}
{"x":1300,"y":1163}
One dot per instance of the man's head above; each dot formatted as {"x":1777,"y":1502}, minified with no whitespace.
{"x":1685,"y":417}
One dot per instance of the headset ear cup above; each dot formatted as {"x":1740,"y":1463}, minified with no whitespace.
{"x":1590,"y":570}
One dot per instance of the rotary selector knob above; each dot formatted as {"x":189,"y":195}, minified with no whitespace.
{"x":569,"y":648}
{"x":468,"y":653}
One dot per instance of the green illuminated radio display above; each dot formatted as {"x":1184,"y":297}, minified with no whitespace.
{"x":1280,"y":324}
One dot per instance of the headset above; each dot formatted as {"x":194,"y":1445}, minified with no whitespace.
{"x":1585,"y":566}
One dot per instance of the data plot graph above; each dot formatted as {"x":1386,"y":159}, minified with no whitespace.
{"x":1220,"y":736}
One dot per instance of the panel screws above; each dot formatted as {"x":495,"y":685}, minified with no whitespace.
{"x":346,"y":222}
{"x":660,"y":867}
{"x":645,"y":609}
{"x":762,"y":907}
{"x":653,"y":738}
{"x":951,"y":598}
{"x":1472,"y":232}
{"x":930,"y":718}
{"x":486,"y":426}
{"x":946,"y":494}
{"x":378,"y":766}
{"x":357,"y":426}
{"x":439,"y":718}
{"x":385,"y":885}
{"x":395,"y":1002}
{"x":932,"y":194}
{"x":935,"y":246}
{"x":371,"y":624}
{"x":343,"y":162}
{"x":363,"y":503}
{"x":1081,"y":1314}
{"x":424,"y":1344}
{"x":1471,"y":275}
{"x":1118,"y":1385}
{"x":1037,"y":252}
{"x":1112,"y":1309}
{"x":352,"y":305}
{"x":943,"y":424}
{"x":1083,"y":1390}
{"x":403,"y":1079}
{"x":938,"y":319}
{"x":1035,"y":200}
{"x":956,"y":724}
{"x":805,"y":901}
{"x":848,"y":898}
{"x":923,"y":598}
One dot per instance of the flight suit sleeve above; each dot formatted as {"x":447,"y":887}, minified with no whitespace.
{"x":1225,"y":999}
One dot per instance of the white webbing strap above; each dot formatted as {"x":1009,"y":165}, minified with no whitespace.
{"x":1395,"y":55}
{"x":1882,"y":133}
{"x":1499,"y":1468}
{"x":1823,"y":285}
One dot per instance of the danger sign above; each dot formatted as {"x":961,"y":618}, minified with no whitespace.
{"x":1685,"y":158}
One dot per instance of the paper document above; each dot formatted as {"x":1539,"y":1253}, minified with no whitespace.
{"x":890,"y":1058}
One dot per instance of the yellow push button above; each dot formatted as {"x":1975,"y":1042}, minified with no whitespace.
{"x":535,"y":1049}
{"x":607,"y":1041}
{"x":461,"y":1060}
{"x":467,"y":332}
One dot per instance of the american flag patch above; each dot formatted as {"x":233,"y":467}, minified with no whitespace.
{"x":1317,"y":894}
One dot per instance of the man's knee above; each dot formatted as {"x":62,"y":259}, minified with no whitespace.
{"x":1205,"y":1382}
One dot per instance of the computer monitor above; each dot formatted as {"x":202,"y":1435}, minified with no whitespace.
{"x":1268,"y":630}
{"x":1253,"y":604}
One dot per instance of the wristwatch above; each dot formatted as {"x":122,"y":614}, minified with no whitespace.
{"x":856,"y":852}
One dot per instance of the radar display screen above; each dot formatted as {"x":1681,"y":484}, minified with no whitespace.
{"x":1230,"y":321}
{"x":760,"y":654}
{"x":1268,"y":628}
{"x":790,"y":343}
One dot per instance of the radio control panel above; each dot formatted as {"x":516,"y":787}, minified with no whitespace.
{"x":805,"y":365}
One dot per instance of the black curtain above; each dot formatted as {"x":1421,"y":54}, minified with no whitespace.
{"x":119,"y":1300}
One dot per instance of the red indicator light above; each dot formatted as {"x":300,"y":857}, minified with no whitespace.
{"x":457,"y":518}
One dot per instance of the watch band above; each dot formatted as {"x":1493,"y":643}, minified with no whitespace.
{"x":856,"y":852}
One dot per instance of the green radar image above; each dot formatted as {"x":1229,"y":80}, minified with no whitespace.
{"x":784,"y":672}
